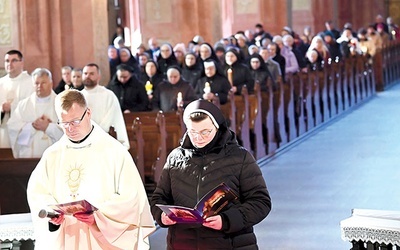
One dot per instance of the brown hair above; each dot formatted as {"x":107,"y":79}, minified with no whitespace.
{"x":67,"y":98}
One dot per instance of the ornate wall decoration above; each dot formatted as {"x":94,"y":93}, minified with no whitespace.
{"x":5,"y":23}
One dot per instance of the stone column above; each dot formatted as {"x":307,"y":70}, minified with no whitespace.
{"x":55,"y":33}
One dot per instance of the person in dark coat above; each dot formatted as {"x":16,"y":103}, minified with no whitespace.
{"x":259,"y":71}
{"x":172,"y":94}
{"x":166,"y":59}
{"x":275,"y":53}
{"x":129,"y":90}
{"x":191,"y":70}
{"x":218,"y":84}
{"x":153,"y":74}
{"x":65,"y":82}
{"x":126,"y":57}
{"x":113,"y":59}
{"x":240,"y":73}
{"x":209,"y":154}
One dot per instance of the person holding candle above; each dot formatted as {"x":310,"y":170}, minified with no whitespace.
{"x":237,"y":73}
{"x":166,"y":94}
{"x":218,"y":84}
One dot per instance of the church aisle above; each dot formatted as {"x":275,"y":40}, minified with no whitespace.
{"x":350,"y":163}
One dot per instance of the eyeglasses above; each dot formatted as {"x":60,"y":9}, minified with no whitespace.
{"x":12,"y":61}
{"x":203,"y":134}
{"x":72,"y":123}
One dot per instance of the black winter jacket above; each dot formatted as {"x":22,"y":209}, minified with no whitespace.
{"x":190,"y":173}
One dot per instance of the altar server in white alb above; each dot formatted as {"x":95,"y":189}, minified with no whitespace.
{"x":104,"y":104}
{"x":88,"y":164}
{"x":33,"y":126}
{"x":14,"y":86}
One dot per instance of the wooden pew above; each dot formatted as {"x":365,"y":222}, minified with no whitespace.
{"x":314,"y":79}
{"x":307,"y":100}
{"x":299,"y":97}
{"x":175,"y":128}
{"x":279,"y":109}
{"x":229,"y":110}
{"x":268,"y":119}
{"x":290,"y":117}
{"x":136,"y":142}
{"x":153,"y":136}
{"x":255,"y":119}
{"x":336,"y":78}
{"x":14,"y":177}
{"x":331,"y":85}
{"x":324,"y":93}
{"x":149,"y":133}
{"x":349,"y":76}
{"x":242,"y":118}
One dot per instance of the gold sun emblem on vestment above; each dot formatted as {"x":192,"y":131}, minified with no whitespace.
{"x":74,"y":176}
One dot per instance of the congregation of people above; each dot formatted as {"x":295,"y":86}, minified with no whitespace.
{"x":166,"y":77}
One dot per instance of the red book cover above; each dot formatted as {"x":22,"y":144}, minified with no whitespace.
{"x":69,"y":208}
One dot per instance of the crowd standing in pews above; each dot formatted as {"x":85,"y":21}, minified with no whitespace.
{"x":231,"y":56}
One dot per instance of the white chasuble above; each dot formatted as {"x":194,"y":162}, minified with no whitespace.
{"x":102,"y":171}
{"x":26,"y":141}
{"x":12,"y":90}
{"x":106,"y":111}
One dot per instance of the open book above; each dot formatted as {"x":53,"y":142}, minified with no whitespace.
{"x":210,"y":204}
{"x":69,"y":208}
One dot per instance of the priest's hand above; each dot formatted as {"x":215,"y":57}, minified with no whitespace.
{"x":166,"y":220}
{"x":86,"y":218}
{"x":214,"y":222}
{"x":58,"y":219}
{"x":41,"y":123}
{"x":6,"y":107}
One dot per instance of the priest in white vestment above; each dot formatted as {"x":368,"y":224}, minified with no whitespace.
{"x":14,"y":86}
{"x":87,"y":163}
{"x":33,"y":126}
{"x":106,"y":110}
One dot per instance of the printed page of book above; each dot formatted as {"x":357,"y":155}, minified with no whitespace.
{"x":181,"y":214}
{"x":210,"y":204}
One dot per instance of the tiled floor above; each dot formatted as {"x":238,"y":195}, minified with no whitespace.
{"x":353,"y":162}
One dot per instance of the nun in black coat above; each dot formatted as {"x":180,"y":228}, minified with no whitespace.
{"x":241,"y":74}
{"x":218,"y":84}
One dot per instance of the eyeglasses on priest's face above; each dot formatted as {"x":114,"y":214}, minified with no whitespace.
{"x":72,"y":123}
{"x":203,"y":134}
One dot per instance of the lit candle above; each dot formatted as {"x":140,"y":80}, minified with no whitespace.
{"x":149,"y":87}
{"x":364,"y":49}
{"x":179,"y":99}
{"x":207,"y":88}
{"x":230,"y":76}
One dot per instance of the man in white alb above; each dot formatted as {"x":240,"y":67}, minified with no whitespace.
{"x":106,"y":110}
{"x":33,"y":126}
{"x":14,"y":86}
{"x":88,"y":164}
